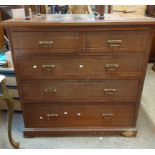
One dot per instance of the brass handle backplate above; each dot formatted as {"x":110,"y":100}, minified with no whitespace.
{"x":110,"y":91}
{"x":48,"y":67}
{"x":107,"y":115}
{"x":111,"y":67}
{"x":50,"y":90}
{"x":46,"y":44}
{"x":114,"y":43}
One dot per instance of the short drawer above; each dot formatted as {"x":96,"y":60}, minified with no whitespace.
{"x":107,"y":90}
{"x":111,"y":67}
{"x":115,"y":41}
{"x":40,"y":43}
{"x":76,"y":116}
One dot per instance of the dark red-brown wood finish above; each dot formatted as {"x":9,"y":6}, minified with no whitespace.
{"x":78,"y":75}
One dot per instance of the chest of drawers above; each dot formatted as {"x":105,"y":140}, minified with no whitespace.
{"x":80,"y":77}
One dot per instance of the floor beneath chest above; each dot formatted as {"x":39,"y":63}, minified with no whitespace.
{"x":145,"y":125}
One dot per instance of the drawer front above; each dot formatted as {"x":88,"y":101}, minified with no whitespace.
{"x":40,"y":43}
{"x":69,"y":116}
{"x":116,"y":90}
{"x":116,"y":41}
{"x":112,"y":68}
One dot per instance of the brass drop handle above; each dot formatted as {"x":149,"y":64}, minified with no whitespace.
{"x":107,"y":115}
{"x":46,"y":44}
{"x":53,"y":115}
{"x":48,"y":67}
{"x":114,"y":43}
{"x":111,"y":67}
{"x":110,"y":91}
{"x":50,"y":90}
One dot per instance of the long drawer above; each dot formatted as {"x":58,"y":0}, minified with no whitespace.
{"x":41,"y":43}
{"x":115,"y":41}
{"x":68,"y":116}
{"x":108,"y":90}
{"x":111,"y":67}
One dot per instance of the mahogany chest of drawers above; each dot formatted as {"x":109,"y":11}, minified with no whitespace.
{"x":78,"y":75}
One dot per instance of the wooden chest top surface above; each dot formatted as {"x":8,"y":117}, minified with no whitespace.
{"x":80,"y":20}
